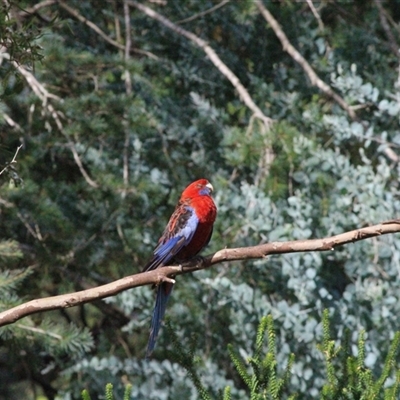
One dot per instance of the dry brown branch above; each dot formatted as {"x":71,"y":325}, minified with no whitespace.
{"x":165,"y":273}
{"x":212,"y":55}
{"x":203,"y":13}
{"x":291,"y":50}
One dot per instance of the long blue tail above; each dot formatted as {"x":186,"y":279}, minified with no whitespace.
{"x":163,"y":292}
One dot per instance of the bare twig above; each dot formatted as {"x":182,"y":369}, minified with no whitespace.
{"x":101,"y":33}
{"x":45,"y":95}
{"x":12,"y":123}
{"x":91,"y":25}
{"x":316,"y":15}
{"x":13,"y":161}
{"x":31,"y":10}
{"x":391,"y":20}
{"x":128,"y":88}
{"x":161,"y":274}
{"x":78,"y":161}
{"x":385,"y":25}
{"x":125,"y":172}
{"x":35,"y":85}
{"x":27,"y":226}
{"x":41,"y":331}
{"x":291,"y":50}
{"x":212,"y":55}
{"x":203,"y":13}
{"x":128,"y":44}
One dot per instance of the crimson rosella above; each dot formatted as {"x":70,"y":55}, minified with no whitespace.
{"x":188,"y":231}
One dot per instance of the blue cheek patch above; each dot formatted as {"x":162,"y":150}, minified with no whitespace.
{"x":205,"y":191}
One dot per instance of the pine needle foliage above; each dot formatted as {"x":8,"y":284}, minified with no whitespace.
{"x":263,"y":382}
{"x":55,"y":339}
{"x":347,"y":375}
{"x":188,"y":360}
{"x":109,"y":394}
{"x":227,"y":393}
{"x":11,"y":279}
{"x":9,"y":249}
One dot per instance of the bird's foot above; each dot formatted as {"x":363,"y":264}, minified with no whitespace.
{"x":197,"y":261}
{"x":169,"y":280}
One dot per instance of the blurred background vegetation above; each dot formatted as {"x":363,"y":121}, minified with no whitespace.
{"x":117,"y":112}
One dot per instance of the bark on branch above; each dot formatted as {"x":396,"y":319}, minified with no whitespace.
{"x":158,"y":275}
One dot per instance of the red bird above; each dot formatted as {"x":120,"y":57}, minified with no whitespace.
{"x":188,"y":231}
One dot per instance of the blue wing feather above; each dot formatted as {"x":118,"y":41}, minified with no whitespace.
{"x":173,"y":240}
{"x":163,"y":293}
{"x":178,"y":234}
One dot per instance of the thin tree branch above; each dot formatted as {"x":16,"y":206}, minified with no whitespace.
{"x":291,"y":50}
{"x":385,"y":25}
{"x":12,"y":123}
{"x":164,"y":274}
{"x":128,"y":89}
{"x":203,"y":13}
{"x":41,"y":331}
{"x":32,"y":10}
{"x":13,"y":161}
{"x":37,"y":87}
{"x":91,"y":25}
{"x":391,"y":20}
{"x":44,"y":95}
{"x":128,"y":44}
{"x":316,"y":15}
{"x":101,"y":33}
{"x":212,"y":55}
{"x":79,"y":163}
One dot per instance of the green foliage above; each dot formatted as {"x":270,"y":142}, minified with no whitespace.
{"x":112,"y":137}
{"x":347,"y":375}
{"x":40,"y":339}
{"x":188,"y":360}
{"x":227,"y":393}
{"x":263,"y":383}
{"x":109,"y":393}
{"x":18,"y":35}
{"x":9,"y":249}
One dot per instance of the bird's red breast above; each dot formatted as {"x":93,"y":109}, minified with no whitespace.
{"x":197,"y":196}
{"x":188,"y":231}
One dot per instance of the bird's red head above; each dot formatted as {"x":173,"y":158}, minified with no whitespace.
{"x":198,"y":188}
